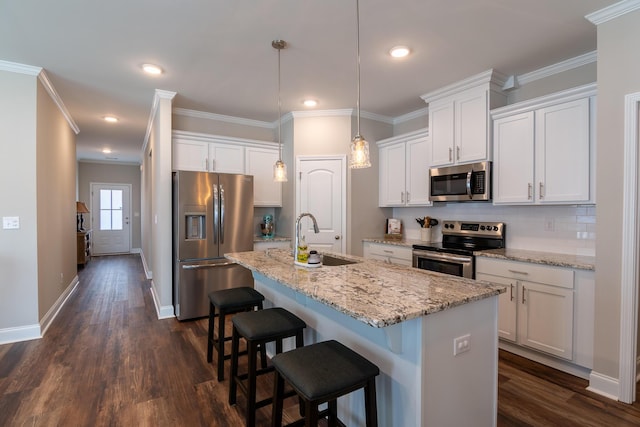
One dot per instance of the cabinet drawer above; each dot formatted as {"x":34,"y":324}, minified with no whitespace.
{"x":388,"y":253}
{"x":554,"y":276}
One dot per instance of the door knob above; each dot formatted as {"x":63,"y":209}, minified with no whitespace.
{"x":337,"y":237}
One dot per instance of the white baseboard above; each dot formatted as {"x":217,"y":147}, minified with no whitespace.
{"x":21,"y":333}
{"x":163,"y":312}
{"x":147,"y":272}
{"x":50,"y":315}
{"x":554,"y":362}
{"x":604,"y":385}
{"x":135,"y":251}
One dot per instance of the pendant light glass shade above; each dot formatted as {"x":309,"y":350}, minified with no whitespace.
{"x":279,"y":169}
{"x":359,"y":147}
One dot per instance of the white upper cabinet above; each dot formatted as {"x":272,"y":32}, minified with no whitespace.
{"x":259,"y":163}
{"x":459,"y":123}
{"x":544,"y":150}
{"x":404,"y":170}
{"x":213,"y":153}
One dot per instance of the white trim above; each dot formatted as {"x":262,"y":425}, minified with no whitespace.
{"x":44,"y":79}
{"x":148,"y":274}
{"x":222,"y":118}
{"x":614,"y":11}
{"x":323,"y":113}
{"x":20,"y":333}
{"x":604,"y":385}
{"x":423,"y":112}
{"x":50,"y":315}
{"x":486,"y":77}
{"x":557,"y":68}
{"x":630,"y":251}
{"x":206,"y":137}
{"x":15,"y":67}
{"x":163,"y":312}
{"x":159,"y":94}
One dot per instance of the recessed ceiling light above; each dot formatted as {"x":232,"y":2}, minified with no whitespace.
{"x":399,"y":51}
{"x":106,"y":150}
{"x":152,"y":69}
{"x":310,"y":103}
{"x":110,"y":119}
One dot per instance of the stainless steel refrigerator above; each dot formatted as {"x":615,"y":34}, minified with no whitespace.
{"x":212,"y":215}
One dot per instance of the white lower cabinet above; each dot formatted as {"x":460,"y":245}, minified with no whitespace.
{"x":263,"y":245}
{"x":391,"y":254}
{"x":537,"y":311}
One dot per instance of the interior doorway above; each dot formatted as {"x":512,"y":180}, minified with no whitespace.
{"x":111,"y":218}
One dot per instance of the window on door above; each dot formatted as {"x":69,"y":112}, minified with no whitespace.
{"x":111,"y":216}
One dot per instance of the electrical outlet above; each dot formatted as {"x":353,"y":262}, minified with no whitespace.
{"x":461,"y":344}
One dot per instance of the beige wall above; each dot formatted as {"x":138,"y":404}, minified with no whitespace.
{"x":618,"y":75}
{"x":217,"y":127}
{"x":56,"y":177}
{"x":91,"y":172}
{"x":575,"y":77}
{"x":18,"y":193}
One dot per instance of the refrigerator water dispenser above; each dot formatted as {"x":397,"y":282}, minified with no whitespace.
{"x":196,"y":228}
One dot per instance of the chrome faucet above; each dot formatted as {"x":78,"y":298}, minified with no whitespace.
{"x":315,"y":229}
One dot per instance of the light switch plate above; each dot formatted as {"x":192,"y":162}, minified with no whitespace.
{"x":10,"y":222}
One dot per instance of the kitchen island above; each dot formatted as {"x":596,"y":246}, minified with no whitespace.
{"x":407,"y":321}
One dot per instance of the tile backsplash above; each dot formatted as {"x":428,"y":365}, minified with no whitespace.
{"x":560,"y":229}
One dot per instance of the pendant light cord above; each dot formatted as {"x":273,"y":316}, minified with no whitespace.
{"x":358,"y":61}
{"x":279,"y":112}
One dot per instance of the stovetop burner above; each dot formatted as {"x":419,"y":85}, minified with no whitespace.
{"x":463,"y":237}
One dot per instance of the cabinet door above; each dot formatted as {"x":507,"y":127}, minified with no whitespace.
{"x":513,"y":151}
{"x":392,"y":175}
{"x":545,"y":319}
{"x":441,"y":131}
{"x":471,"y":115}
{"x":259,"y":163}
{"x":226,"y":158}
{"x":190,"y":155}
{"x":417,"y":175}
{"x":562,"y":152}
{"x":507,"y":306}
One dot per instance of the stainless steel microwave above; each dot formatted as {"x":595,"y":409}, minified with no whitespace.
{"x":470,"y":182}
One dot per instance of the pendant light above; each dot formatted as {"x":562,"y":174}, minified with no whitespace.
{"x":279,"y":169}
{"x":359,"y":147}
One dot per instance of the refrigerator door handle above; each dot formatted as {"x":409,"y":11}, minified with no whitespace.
{"x":215,"y":214}
{"x":200,"y":266}
{"x":221,"y":214}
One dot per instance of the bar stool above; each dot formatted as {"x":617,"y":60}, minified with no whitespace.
{"x":259,"y":328}
{"x":321,"y":373}
{"x":229,"y":301}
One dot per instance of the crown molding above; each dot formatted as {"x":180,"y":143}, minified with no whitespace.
{"x":423,"y":112}
{"x":491,"y":76}
{"x":221,"y":118}
{"x":157,"y":96}
{"x":323,"y":113}
{"x":612,"y":12}
{"x":14,"y":67}
{"x":559,"y":67}
{"x":44,"y":79}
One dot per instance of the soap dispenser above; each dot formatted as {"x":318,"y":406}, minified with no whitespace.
{"x":303,"y":253}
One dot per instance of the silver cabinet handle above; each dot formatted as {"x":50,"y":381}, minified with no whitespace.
{"x":518,"y":272}
{"x":523,"y":291}
{"x":458,"y":152}
{"x":206,"y":164}
{"x":450,"y":154}
{"x":529,"y":191}
{"x":408,"y":197}
{"x":386,"y":251}
{"x":402,"y":197}
{"x":541,"y":195}
{"x":511,"y":296}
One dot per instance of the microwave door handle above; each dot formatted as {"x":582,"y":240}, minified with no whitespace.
{"x":469,"y":185}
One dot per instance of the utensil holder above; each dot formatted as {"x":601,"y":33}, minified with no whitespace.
{"x":425,"y":234}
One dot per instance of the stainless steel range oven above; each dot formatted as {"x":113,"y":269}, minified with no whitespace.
{"x":454,"y":255}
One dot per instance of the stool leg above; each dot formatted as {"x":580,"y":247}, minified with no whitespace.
{"x":300,"y":343}
{"x":221,"y":325}
{"x":212,"y":315}
{"x":311,"y":419}
{"x":252,"y":379}
{"x":278,"y":391}
{"x":333,"y":413}
{"x":235,"y":345}
{"x":370,"y":403}
{"x":263,"y":351}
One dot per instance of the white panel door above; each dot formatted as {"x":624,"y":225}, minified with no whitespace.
{"x":507,"y":305}
{"x":111,"y":218}
{"x":417,"y":172}
{"x":321,"y":191}
{"x":392,"y":177}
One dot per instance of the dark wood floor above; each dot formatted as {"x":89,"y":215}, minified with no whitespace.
{"x":108,"y":361}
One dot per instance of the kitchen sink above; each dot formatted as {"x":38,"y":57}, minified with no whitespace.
{"x":331,"y":261}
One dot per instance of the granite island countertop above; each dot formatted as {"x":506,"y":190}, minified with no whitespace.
{"x":375,"y":293}
{"x":580,"y":262}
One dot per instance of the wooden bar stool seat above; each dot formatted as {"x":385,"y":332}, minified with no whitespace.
{"x":229,"y":301}
{"x":259,"y":328}
{"x":320,"y":373}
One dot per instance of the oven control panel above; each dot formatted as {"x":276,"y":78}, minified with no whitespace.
{"x":485,"y":229}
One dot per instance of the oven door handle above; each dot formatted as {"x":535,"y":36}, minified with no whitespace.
{"x":443,"y":257}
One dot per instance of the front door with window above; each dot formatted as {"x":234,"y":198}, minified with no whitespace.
{"x":110,"y":218}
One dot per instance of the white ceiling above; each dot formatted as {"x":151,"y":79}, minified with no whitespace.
{"x":217,"y":54}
